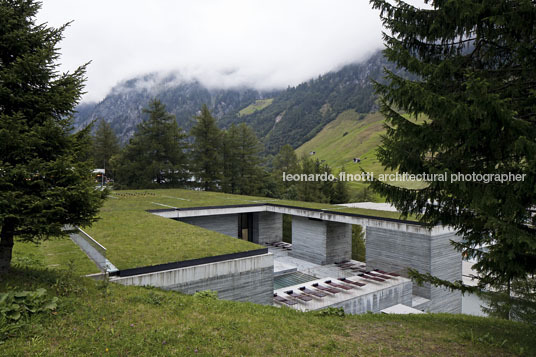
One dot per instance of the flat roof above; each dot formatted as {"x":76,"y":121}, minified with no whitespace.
{"x":134,"y":237}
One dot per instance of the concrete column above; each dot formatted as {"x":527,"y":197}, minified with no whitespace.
{"x":225,"y":223}
{"x":319,"y":241}
{"x":267,"y":227}
{"x":395,"y":250}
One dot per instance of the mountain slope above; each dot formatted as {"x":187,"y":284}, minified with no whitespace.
{"x":352,"y":135}
{"x":291,"y":116}
{"x":299,"y":113}
{"x":122,"y":108}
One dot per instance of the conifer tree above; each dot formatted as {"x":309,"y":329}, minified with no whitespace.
{"x":45,"y":182}
{"x":206,"y":153}
{"x":285,"y":162}
{"x":248,"y":171}
{"x":473,"y":92}
{"x":340,"y":191}
{"x":105,"y":145}
{"x":156,"y":152}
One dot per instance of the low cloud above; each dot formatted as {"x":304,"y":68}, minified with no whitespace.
{"x":261,"y":44}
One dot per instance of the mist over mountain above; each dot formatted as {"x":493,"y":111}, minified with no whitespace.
{"x":123,"y":106}
{"x":290,"y":116}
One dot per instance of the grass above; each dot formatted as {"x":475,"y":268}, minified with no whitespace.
{"x":352,"y":135}
{"x":134,"y":237}
{"x":259,"y":104}
{"x":97,"y":318}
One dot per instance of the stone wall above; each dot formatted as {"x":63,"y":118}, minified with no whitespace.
{"x":379,"y":300}
{"x":321,"y":242}
{"x":226,"y":224}
{"x":393,"y":250}
{"x":267,"y":227}
{"x":244,"y":279}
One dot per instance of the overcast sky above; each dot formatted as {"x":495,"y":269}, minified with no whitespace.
{"x":223,"y":43}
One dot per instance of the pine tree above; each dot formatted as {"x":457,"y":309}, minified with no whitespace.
{"x":473,"y":92}
{"x":156,"y":152}
{"x":45,"y":184}
{"x":105,"y":145}
{"x":206,"y":153}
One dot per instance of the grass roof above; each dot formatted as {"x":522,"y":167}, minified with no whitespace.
{"x":134,"y":237}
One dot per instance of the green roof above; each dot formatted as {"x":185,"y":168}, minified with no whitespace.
{"x":134,"y":237}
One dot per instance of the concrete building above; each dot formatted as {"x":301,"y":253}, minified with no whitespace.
{"x":323,"y":238}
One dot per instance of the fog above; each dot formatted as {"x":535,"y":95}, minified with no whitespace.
{"x":225,"y":43}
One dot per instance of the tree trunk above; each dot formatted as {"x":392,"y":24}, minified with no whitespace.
{"x":6,"y":246}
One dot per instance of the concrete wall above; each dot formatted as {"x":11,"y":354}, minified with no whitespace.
{"x":392,"y":250}
{"x":267,"y":227}
{"x":339,"y":242}
{"x":372,"y":297}
{"x":226,"y":224}
{"x":320,"y":242}
{"x":377,"y":301}
{"x":446,"y":263}
{"x":244,"y":279}
{"x":93,"y":249}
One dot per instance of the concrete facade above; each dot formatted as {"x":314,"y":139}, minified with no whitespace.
{"x":319,"y":241}
{"x":372,"y":297}
{"x":244,"y":279}
{"x":93,"y":249}
{"x":393,"y":250}
{"x":225,"y":224}
{"x":267,"y":227}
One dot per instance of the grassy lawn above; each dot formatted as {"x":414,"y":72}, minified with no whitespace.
{"x":259,"y":104}
{"x":97,"y":318}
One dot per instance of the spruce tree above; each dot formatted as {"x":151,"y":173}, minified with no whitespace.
{"x":473,"y":91}
{"x":285,"y":162}
{"x":246,"y":173}
{"x":340,"y":191}
{"x":206,"y":153}
{"x":156,"y":152}
{"x":105,"y":145}
{"x":45,"y":183}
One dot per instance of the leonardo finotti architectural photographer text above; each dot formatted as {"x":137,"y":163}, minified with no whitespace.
{"x":396,"y":177}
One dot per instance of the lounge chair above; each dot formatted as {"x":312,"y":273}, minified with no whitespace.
{"x":302,"y":297}
{"x":377,"y":275}
{"x":339,"y":286}
{"x":366,"y":276}
{"x":325,"y":288}
{"x":319,"y":294}
{"x":282,"y":300}
{"x":348,"y":281}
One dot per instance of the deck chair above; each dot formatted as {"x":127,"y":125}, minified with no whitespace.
{"x":318,"y":294}
{"x":348,"y":281}
{"x":302,"y":297}
{"x":339,"y":286}
{"x":325,"y":288}
{"x":282,"y":300}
